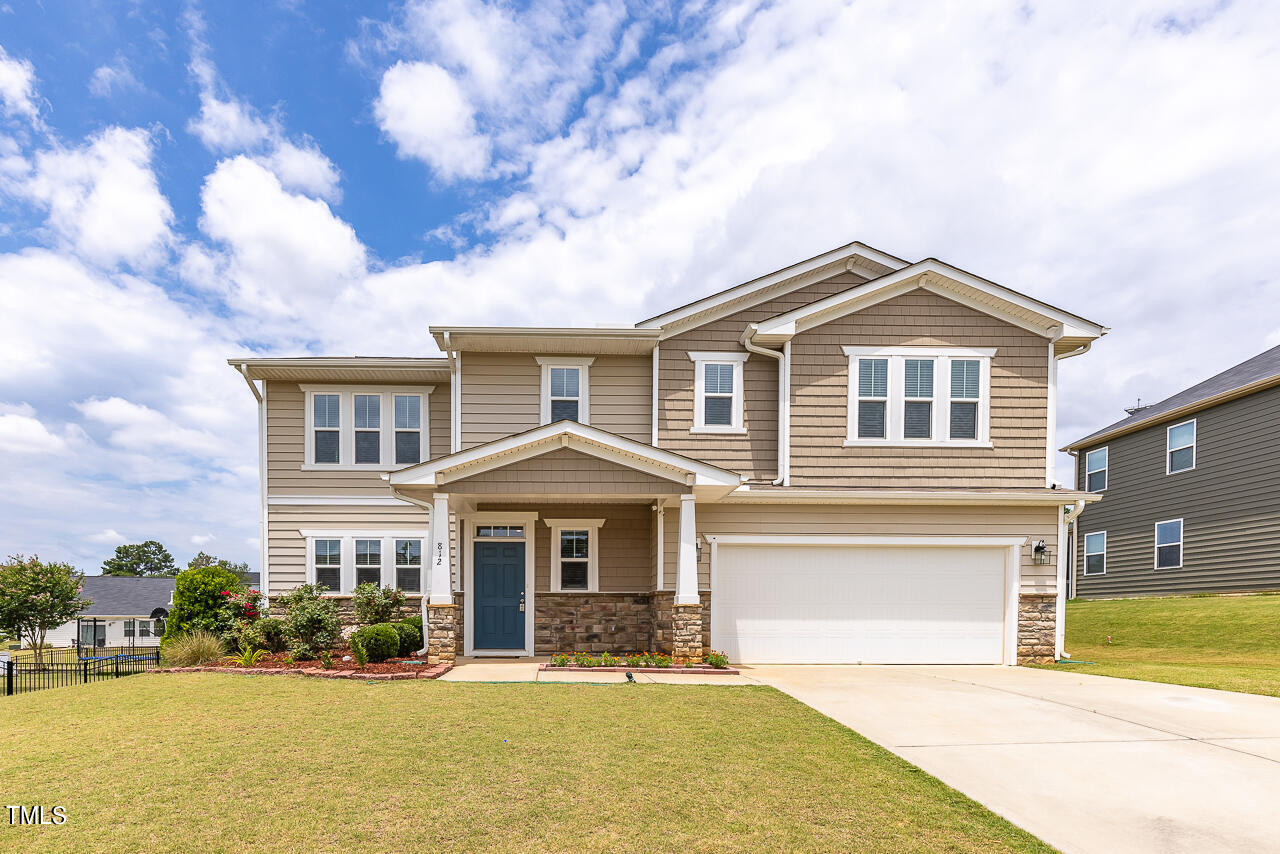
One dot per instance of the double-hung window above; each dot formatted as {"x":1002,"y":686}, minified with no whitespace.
{"x":1095,"y":470}
{"x":717,"y":392}
{"x":575,"y":553}
{"x":129,"y":628}
{"x":1169,"y":544}
{"x":1095,"y":553}
{"x":359,"y":427}
{"x":327,"y":557}
{"x":409,"y":565}
{"x":904,"y":396}
{"x":566,"y":389}
{"x":338,"y":561}
{"x":1180,"y":447}
{"x":369,"y":562}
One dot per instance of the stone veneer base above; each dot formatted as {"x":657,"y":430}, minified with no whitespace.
{"x":1037,"y":629}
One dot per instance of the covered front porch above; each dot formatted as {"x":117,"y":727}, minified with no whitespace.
{"x":566,"y":538}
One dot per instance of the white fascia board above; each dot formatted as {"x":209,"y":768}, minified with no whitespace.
{"x":933,"y":540}
{"x":745,"y":495}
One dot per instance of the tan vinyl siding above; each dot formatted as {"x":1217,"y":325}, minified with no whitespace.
{"x":625,"y":562}
{"x":501,"y":395}
{"x":1035,"y":523}
{"x":286,"y":448}
{"x":754,"y":454}
{"x":820,"y":400}
{"x":564,"y":472}
{"x":622,"y":396}
{"x":287,"y":548}
{"x":1229,"y":504}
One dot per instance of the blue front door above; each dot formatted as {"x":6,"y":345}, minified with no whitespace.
{"x":499,"y":596}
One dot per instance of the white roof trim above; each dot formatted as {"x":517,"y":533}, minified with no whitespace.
{"x":801,"y":495}
{"x":565,"y":434}
{"x":806,"y":272}
{"x":934,"y":276}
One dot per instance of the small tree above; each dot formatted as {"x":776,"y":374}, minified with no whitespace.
{"x":200,"y":601}
{"x":149,"y":558}
{"x":37,"y":596}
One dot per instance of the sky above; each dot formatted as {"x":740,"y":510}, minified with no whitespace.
{"x":184,"y":183}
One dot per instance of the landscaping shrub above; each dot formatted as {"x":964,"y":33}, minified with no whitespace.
{"x":410,"y":637}
{"x":717,"y":660}
{"x":379,"y":641}
{"x":374,"y":604}
{"x":192,"y":649}
{"x":416,"y":620}
{"x":199,"y":602}
{"x":266,"y":633}
{"x":311,"y":621}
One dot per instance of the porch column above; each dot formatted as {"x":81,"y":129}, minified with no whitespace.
{"x":687,"y":609}
{"x":439,"y":613}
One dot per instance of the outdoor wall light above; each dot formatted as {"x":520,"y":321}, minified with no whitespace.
{"x":1040,"y":552}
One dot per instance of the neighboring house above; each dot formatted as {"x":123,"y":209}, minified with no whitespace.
{"x":125,"y":611}
{"x":847,"y":460}
{"x":1191,"y":490}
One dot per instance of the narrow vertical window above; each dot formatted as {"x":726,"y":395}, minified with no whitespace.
{"x":328,"y":564}
{"x":1180,"y":447}
{"x":565,"y":394}
{"x":1169,"y":544}
{"x":575,"y":557}
{"x":409,"y":565}
{"x":408,"y":408}
{"x":1095,"y":553}
{"x":368,"y":426}
{"x":873,"y":398}
{"x":144,"y":628}
{"x":128,"y":628}
{"x":1095,"y":470}
{"x":917,"y":405}
{"x":325,"y":424}
{"x":966,"y":379}
{"x":369,"y":562}
{"x":717,"y":395}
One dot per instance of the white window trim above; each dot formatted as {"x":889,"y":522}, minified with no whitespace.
{"x":1156,"y":544}
{"x":583,"y":364}
{"x":1194,"y":446}
{"x":592,"y":526}
{"x":942,"y":357}
{"x":347,"y":431}
{"x":700,"y":360}
{"x":347,"y":567}
{"x":1106,"y":473}
{"x":1085,"y":568}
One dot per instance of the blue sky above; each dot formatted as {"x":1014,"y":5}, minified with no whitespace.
{"x":181,"y":183}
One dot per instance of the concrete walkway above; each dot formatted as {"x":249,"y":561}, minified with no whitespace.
{"x":1087,"y":763}
{"x":526,"y":670}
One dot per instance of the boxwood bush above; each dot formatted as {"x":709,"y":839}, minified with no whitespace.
{"x":379,"y":641}
{"x":410,"y":637}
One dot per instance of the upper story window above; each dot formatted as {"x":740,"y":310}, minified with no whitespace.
{"x":1095,"y":470}
{"x":717,"y":392}
{"x":1180,"y":447}
{"x":575,"y":549}
{"x":566,"y":389}
{"x":359,"y":427}
{"x":903,"y":396}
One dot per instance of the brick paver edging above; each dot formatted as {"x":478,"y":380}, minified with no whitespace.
{"x":434,"y":672}
{"x":692,"y":671}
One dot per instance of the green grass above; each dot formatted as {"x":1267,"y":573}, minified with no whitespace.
{"x":1226,"y":642}
{"x":211,"y":762}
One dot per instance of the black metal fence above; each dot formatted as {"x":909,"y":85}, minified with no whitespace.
{"x":53,"y":672}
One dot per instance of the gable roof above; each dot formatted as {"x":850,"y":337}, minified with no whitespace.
{"x":1251,"y":375}
{"x":125,"y":596}
{"x":855,"y":257}
{"x":947,"y":281}
{"x":567,"y":434}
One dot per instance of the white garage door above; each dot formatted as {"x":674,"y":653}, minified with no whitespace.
{"x":847,"y":604}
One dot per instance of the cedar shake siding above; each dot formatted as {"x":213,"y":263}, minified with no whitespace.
{"x":563,"y":472}
{"x":820,"y":400}
{"x":1229,"y":504}
{"x":754,"y":454}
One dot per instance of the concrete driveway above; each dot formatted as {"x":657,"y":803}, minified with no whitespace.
{"x":1087,"y":763}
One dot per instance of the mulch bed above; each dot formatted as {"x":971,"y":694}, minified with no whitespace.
{"x":277,"y":664}
{"x":698,"y":669}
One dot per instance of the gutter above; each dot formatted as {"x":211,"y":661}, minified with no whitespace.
{"x":1060,"y":606}
{"x":455,"y":395}
{"x":784,"y":399}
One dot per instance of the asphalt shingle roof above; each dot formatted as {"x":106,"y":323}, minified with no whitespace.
{"x":1265,"y":365}
{"x":123,"y":596}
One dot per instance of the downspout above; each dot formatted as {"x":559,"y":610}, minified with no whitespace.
{"x":1060,"y":606}
{"x":261,"y":397}
{"x":455,"y":395}
{"x":784,"y":397}
{"x":423,"y":604}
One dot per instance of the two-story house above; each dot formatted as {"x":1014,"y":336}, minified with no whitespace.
{"x":1192,"y":491}
{"x":846,"y":460}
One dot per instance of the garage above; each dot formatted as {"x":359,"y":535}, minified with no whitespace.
{"x":863,"y":600}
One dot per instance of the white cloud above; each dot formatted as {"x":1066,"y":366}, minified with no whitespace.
{"x":228,"y":125}
{"x":112,"y":78}
{"x":424,"y":111}
{"x":110,"y":535}
{"x":22,"y":433}
{"x":103,"y":198}
{"x":305,"y":169}
{"x":202,"y":539}
{"x":17,"y":86}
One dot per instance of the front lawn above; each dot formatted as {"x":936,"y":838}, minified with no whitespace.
{"x":1227,"y":642}
{"x":211,"y":762}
